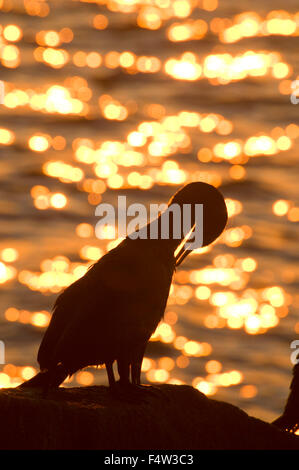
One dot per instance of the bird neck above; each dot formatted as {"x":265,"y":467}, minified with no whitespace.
{"x":158,"y":238}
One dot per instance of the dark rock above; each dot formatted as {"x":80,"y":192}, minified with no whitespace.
{"x":164,"y":417}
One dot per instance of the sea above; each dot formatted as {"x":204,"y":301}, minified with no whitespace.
{"x":135,"y":98}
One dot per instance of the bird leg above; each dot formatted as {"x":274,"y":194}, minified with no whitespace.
{"x":136,"y":383}
{"x":117,"y":389}
{"x":136,"y":372}
{"x":110,"y":373}
{"x":136,"y":363}
{"x":123,"y":367}
{"x":123,"y":390}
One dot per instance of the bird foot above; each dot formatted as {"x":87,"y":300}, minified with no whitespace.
{"x":132,"y":393}
{"x":152,"y":389}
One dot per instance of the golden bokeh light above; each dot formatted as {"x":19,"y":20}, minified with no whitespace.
{"x":138,"y":98}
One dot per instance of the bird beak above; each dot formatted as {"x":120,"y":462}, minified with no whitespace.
{"x":182,"y":250}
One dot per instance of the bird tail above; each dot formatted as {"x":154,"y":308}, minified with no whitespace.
{"x":46,"y":379}
{"x":289,"y":420}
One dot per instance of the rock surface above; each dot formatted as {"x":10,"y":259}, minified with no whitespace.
{"x":166,"y":417}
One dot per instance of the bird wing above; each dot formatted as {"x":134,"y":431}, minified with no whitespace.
{"x":64,"y":312}
{"x":102,"y":310}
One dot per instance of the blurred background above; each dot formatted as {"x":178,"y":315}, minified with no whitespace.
{"x":101,"y":98}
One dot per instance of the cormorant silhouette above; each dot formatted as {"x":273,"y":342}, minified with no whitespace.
{"x":111,"y":312}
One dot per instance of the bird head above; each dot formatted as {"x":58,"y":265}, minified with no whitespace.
{"x":203,"y":217}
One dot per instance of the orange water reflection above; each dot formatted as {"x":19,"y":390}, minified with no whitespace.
{"x":95,"y":122}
